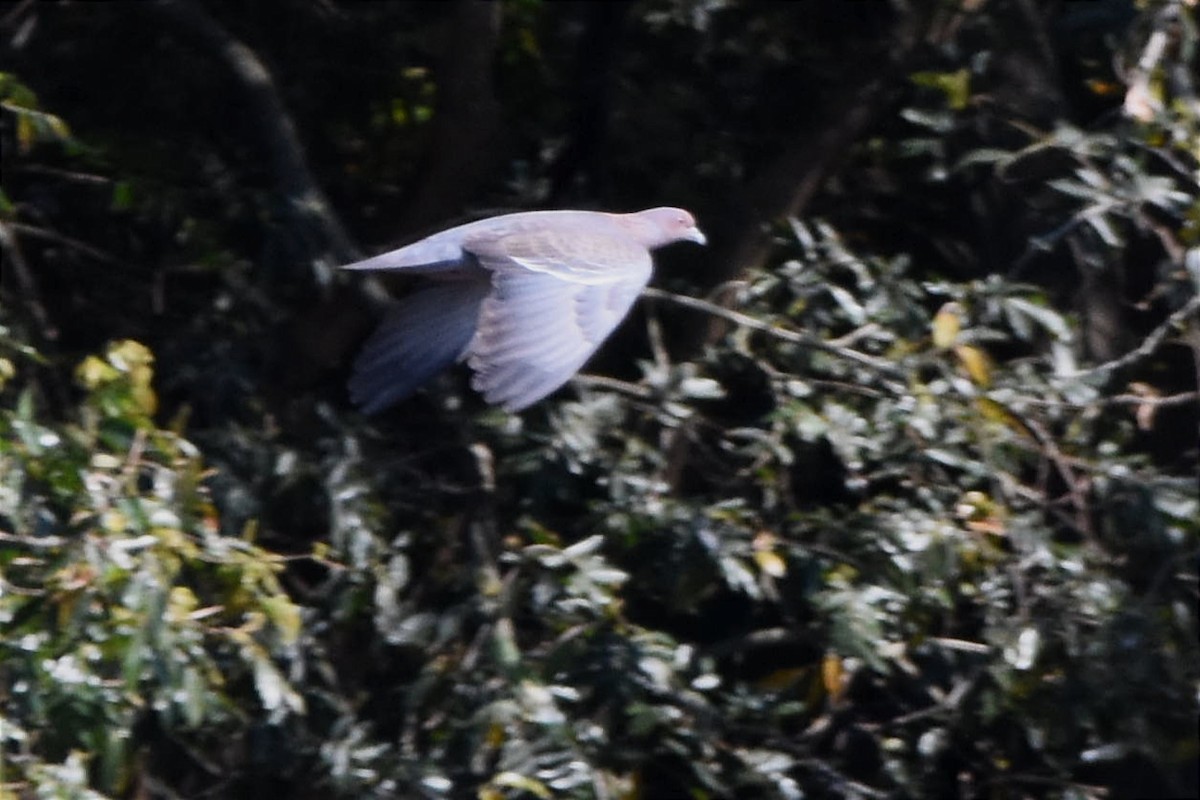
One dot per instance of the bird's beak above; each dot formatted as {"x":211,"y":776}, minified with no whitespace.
{"x":696,"y":235}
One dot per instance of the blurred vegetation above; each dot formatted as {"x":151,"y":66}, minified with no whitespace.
{"x":892,"y":492}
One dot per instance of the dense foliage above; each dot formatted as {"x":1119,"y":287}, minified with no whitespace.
{"x":892,"y":493}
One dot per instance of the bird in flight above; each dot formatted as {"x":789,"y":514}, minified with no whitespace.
{"x":524,"y":299}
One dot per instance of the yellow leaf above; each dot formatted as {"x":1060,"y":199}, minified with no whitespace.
{"x":114,"y":521}
{"x":93,"y":372}
{"x":770,"y":563}
{"x":1104,"y":88}
{"x":841,"y":575}
{"x":976,"y":363}
{"x":832,"y":675}
{"x":127,"y":354}
{"x":768,"y":560}
{"x":946,"y":325}
{"x":65,"y":610}
{"x":59,"y":127}
{"x":958,"y":89}
{"x":25,"y":132}
{"x":513,"y":780}
{"x":495,"y":735}
{"x":181,"y":603}
{"x":981,"y":514}
{"x":146,"y":399}
{"x":956,"y":86}
{"x":285,"y":615}
{"x":998,"y":412}
{"x":781,"y":679}
{"x":7,"y":371}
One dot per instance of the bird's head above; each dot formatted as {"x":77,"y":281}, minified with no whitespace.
{"x":663,"y":226}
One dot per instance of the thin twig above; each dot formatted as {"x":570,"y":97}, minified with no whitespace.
{"x":603,"y":382}
{"x":1181,"y":399}
{"x":1051,"y":451}
{"x":25,"y":283}
{"x":312,"y":217}
{"x":66,"y":241}
{"x":1149,"y":344}
{"x":65,"y":174}
{"x":784,"y":334}
{"x":853,"y":336}
{"x":33,"y":542}
{"x":768,"y":637}
{"x":961,"y":645}
{"x":17,"y":10}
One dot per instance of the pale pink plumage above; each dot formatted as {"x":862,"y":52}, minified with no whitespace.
{"x":524,"y":299}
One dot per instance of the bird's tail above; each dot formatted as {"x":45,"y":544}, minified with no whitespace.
{"x":424,"y":334}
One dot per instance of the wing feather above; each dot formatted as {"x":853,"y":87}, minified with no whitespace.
{"x":578,"y":254}
{"x":538,"y":327}
{"x":422,"y":335}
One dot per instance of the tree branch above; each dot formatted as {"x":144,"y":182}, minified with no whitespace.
{"x":462,"y":150}
{"x":788,"y":184}
{"x":1150,"y":343}
{"x":311,"y":218}
{"x":884,"y":368}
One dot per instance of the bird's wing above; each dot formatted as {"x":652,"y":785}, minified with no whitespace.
{"x":553,"y":301}
{"x":580,"y":241}
{"x":570,"y":250}
{"x":423,"y":334}
{"x":440,"y":253}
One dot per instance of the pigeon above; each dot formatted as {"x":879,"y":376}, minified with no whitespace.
{"x":524,"y":299}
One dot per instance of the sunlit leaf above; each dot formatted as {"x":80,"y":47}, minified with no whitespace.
{"x":832,"y":676}
{"x":998,"y":412}
{"x":946,"y":325}
{"x":284,"y":615}
{"x":93,"y":372}
{"x":512,"y":780}
{"x":976,"y":363}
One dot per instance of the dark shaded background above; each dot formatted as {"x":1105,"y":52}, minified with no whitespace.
{"x":224,"y":157}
